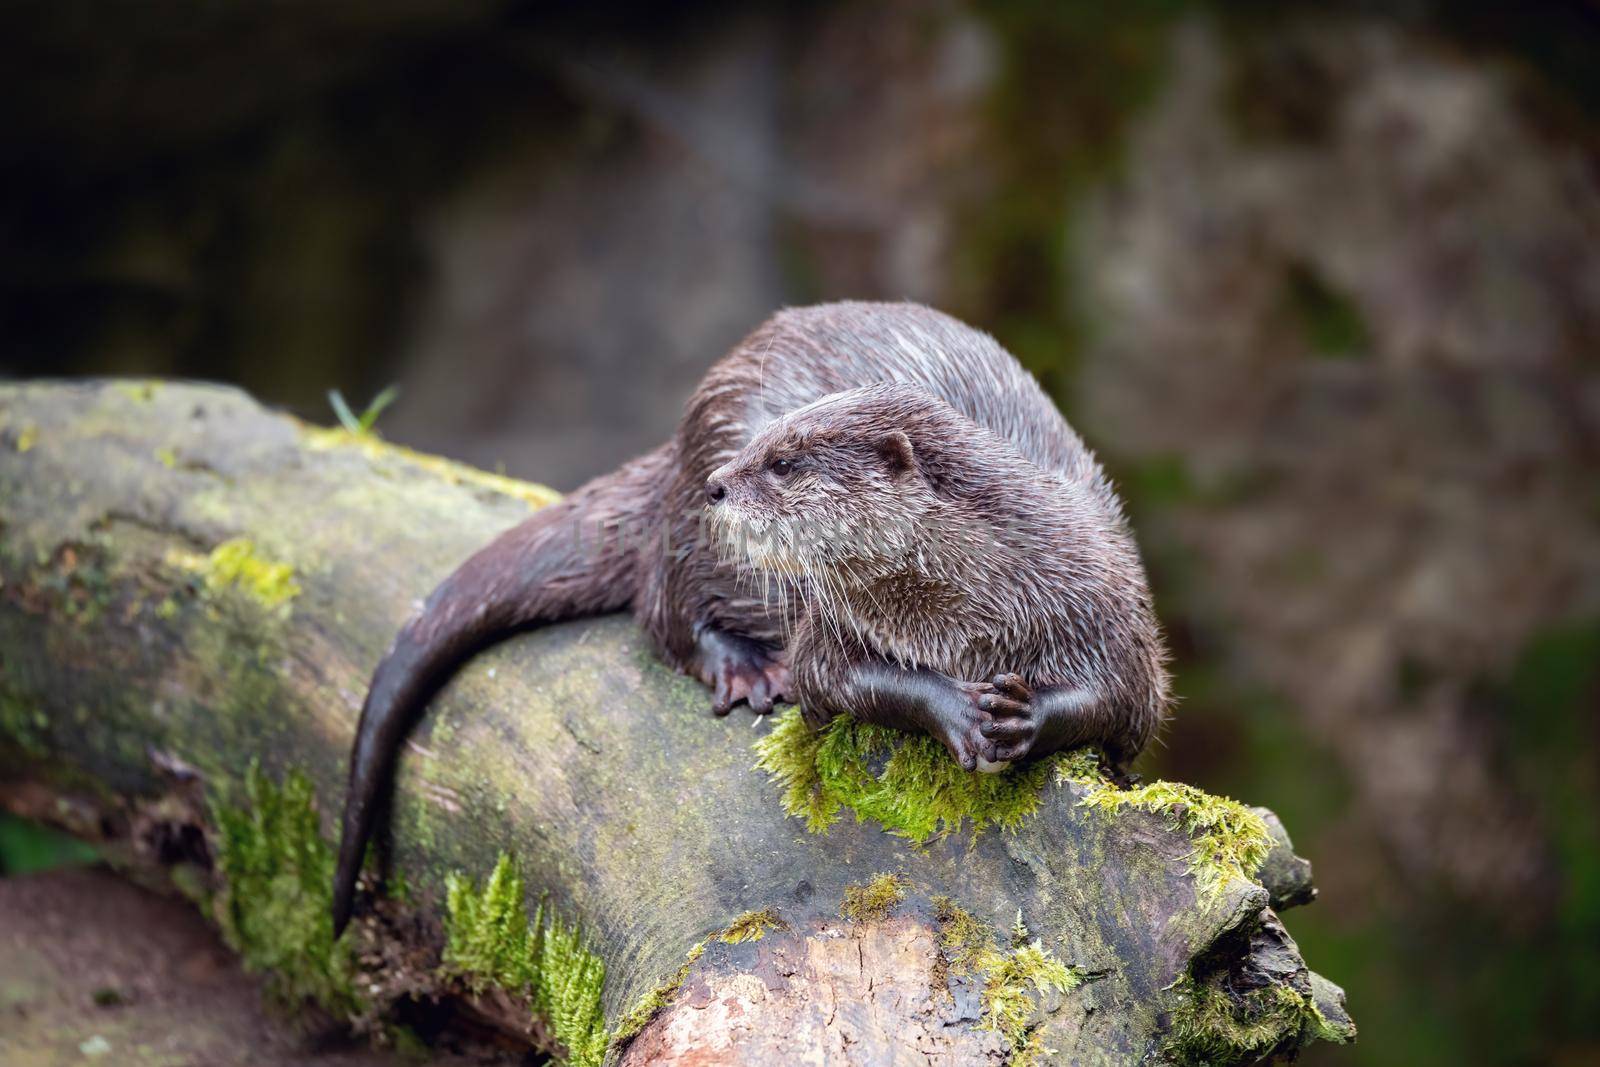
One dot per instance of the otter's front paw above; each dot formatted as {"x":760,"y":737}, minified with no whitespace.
{"x":1009,"y":727}
{"x":737,"y":668}
{"x":959,"y":727}
{"x":983,"y":704}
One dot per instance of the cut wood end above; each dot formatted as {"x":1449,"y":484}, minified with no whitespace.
{"x":837,"y":993}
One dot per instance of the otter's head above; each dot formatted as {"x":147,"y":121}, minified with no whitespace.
{"x":829,"y":485}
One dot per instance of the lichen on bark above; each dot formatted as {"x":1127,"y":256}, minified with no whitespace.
{"x":237,"y":564}
{"x":1013,"y":978}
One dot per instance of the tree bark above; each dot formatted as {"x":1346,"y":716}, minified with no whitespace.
{"x":135,"y":661}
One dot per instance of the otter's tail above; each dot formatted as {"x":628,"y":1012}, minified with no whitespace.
{"x":573,"y":558}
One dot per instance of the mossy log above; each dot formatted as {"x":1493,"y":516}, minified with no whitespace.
{"x":194,"y":586}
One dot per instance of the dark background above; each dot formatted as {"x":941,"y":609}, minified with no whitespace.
{"x":1321,"y":282}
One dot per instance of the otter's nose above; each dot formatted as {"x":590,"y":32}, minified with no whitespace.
{"x":715,"y":490}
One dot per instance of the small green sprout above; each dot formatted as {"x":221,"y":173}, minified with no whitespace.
{"x":367,"y":421}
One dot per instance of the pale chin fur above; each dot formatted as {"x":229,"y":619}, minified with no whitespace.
{"x":752,"y":541}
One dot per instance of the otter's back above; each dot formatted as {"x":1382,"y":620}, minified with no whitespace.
{"x":801,"y":354}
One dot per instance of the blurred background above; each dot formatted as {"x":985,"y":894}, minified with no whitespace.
{"x":1319,"y":281}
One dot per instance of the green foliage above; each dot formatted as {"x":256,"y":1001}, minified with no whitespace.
{"x":367,"y":421}
{"x":1551,"y":695}
{"x":916,"y":791}
{"x":277,"y":895}
{"x":1011,"y":979}
{"x":490,"y":941}
{"x":874,"y":900}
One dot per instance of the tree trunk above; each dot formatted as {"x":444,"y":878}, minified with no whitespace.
{"x":192,"y":584}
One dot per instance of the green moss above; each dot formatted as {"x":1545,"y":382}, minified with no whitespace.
{"x":487,"y":941}
{"x":789,"y":753}
{"x":234,"y":564}
{"x":651,"y":1003}
{"x":874,"y":900}
{"x":1216,"y":1025}
{"x":1081,"y":765}
{"x":275,"y":905}
{"x":1012,"y":979}
{"x":919,"y":790}
{"x":1230,"y":840}
{"x":752,"y":926}
{"x":908,"y":783}
{"x":1340,"y":1029}
{"x":27,"y":437}
{"x":961,"y":937}
{"x":166,"y":457}
{"x":490,"y":941}
{"x":569,"y":978}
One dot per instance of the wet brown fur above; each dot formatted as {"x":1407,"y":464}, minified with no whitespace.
{"x":994,"y":547}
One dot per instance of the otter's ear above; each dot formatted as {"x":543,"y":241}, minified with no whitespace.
{"x":896,"y":451}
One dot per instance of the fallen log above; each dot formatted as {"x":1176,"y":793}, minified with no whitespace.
{"x":193,"y":592}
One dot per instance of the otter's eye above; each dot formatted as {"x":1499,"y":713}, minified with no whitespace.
{"x":782,"y":467}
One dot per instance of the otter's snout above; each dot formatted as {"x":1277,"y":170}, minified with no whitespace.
{"x":717,"y":484}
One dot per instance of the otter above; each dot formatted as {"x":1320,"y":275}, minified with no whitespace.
{"x":871,"y":509}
